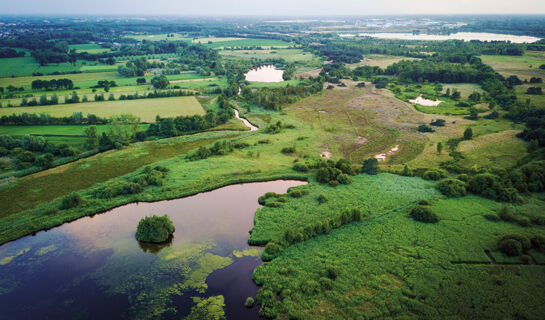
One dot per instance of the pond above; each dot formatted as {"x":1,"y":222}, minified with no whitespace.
{"x":93,"y":268}
{"x":265,"y":74}
{"x":466,"y":36}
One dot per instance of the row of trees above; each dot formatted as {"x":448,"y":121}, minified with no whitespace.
{"x":52,"y":84}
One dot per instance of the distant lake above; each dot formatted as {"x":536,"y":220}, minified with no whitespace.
{"x":466,"y":36}
{"x":94,"y":268}
{"x":265,"y":74}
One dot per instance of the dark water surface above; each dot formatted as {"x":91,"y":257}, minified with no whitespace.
{"x":93,"y":268}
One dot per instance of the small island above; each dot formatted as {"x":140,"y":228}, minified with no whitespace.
{"x":154,"y":229}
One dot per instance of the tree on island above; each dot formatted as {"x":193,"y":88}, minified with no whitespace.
{"x":154,"y":229}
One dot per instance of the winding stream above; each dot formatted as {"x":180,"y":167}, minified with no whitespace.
{"x":93,"y":268}
{"x":245,"y":121}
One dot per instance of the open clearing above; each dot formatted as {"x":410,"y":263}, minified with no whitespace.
{"x":290,"y":55}
{"x":524,"y":67}
{"x":378,"y":60}
{"x":146,"y":109}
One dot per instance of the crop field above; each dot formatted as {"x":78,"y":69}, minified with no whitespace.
{"x":524,"y":67}
{"x":378,"y":60}
{"x":25,"y":66}
{"x":146,"y":109}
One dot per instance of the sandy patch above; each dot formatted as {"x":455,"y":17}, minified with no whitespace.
{"x":361,"y":140}
{"x":425,"y":102}
{"x":325,"y":154}
{"x":382,"y":156}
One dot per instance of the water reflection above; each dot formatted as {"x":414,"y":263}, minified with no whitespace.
{"x":155,"y":247}
{"x":73,"y":270}
{"x":265,"y":74}
{"x":466,"y":36}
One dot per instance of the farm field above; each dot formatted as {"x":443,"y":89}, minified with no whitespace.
{"x":146,"y":109}
{"x":89,"y":48}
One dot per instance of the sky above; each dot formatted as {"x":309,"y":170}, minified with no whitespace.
{"x":271,"y":7}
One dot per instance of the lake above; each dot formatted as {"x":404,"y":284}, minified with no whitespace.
{"x":267,"y":73}
{"x":466,"y":36}
{"x":94,"y":268}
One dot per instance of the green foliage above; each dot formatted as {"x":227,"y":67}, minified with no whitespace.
{"x":249,"y":303}
{"x":154,"y":229}
{"x":452,"y":188}
{"x":514,"y":244}
{"x":434,"y":174}
{"x":468,"y":134}
{"x":423,"y":214}
{"x":72,"y":200}
{"x":370,"y":166}
{"x":425,"y":128}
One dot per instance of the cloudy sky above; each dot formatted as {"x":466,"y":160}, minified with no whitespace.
{"x":271,"y":7}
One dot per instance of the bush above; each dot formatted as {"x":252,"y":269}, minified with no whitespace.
{"x":249,"y":302}
{"x":452,"y":188}
{"x":539,"y":243}
{"x":491,"y":217}
{"x":370,"y":166}
{"x":272,"y":248}
{"x":154,"y":229}
{"x":424,"y":202}
{"x":322,"y":198}
{"x":425,"y":128}
{"x":295,"y":194}
{"x":72,"y":200}
{"x":434,"y":174}
{"x":344,"y":179}
{"x":288,"y":150}
{"x":510,"y":247}
{"x":300,"y":167}
{"x":423,"y":214}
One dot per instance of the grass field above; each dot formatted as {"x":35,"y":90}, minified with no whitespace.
{"x":71,"y":130}
{"x":146,"y":109}
{"x":379,"y":60}
{"x":87,"y":80}
{"x":290,"y":55}
{"x":524,"y":67}
{"x":389,"y":266}
{"x":214,"y":42}
{"x":91,"y":48}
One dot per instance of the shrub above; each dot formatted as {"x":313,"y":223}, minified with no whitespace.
{"x":468,"y":134}
{"x":300,"y":167}
{"x":249,"y":302}
{"x":425,"y":128}
{"x":510,"y":247}
{"x":325,"y":283}
{"x":322,"y":198}
{"x":452,"y":188}
{"x":434,"y":174}
{"x":438,"y":123}
{"x":72,"y":200}
{"x":491,"y":217}
{"x":423,"y":214}
{"x":344,"y":179}
{"x":370,"y":166}
{"x":332,"y":272}
{"x":295,"y":194}
{"x":424,"y":202}
{"x":539,"y":243}
{"x":288,"y":150}
{"x":154,"y":229}
{"x":272,"y":248}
